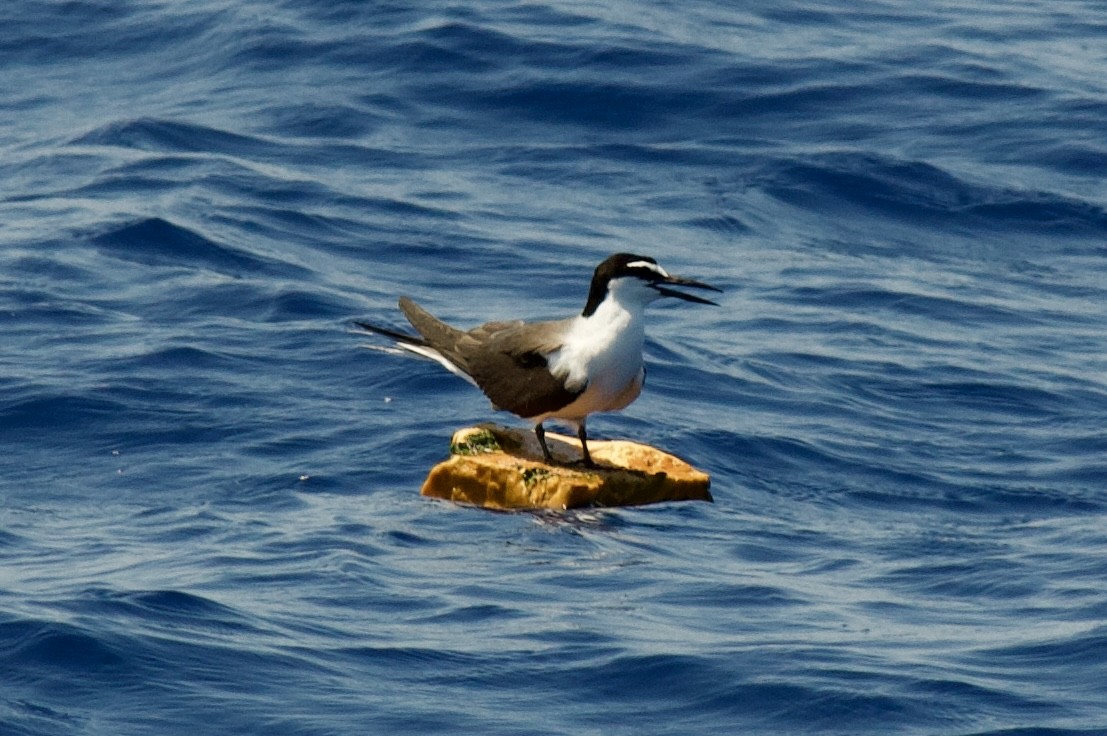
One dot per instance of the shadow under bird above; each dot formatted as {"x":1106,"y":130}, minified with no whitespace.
{"x":564,"y":369}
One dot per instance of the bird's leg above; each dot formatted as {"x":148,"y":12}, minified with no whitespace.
{"x":583,"y":436}
{"x":540,"y":433}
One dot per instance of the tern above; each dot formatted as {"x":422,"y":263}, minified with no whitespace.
{"x":564,"y":369}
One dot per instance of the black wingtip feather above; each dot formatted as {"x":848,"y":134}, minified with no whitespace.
{"x":398,"y":336}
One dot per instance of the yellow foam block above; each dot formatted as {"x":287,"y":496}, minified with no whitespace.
{"x":501,"y":468}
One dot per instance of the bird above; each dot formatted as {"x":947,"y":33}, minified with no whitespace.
{"x":562,"y":370}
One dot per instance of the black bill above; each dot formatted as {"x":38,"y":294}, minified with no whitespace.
{"x":689,"y":283}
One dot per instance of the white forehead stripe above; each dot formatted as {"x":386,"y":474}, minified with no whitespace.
{"x":651,"y":266}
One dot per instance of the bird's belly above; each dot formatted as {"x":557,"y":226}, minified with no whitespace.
{"x":610,"y":395}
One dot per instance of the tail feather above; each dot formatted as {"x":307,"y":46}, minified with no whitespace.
{"x":400,"y":337}
{"x":434,"y":331}
{"x":431,"y":328}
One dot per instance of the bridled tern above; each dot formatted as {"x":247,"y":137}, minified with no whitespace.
{"x":563,"y":369}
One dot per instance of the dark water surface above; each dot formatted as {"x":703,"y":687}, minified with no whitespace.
{"x":210,"y":520}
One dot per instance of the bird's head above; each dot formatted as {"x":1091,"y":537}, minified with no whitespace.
{"x":638,"y":280}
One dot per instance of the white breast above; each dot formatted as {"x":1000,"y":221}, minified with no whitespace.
{"x":602,"y":352}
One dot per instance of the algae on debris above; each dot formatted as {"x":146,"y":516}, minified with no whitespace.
{"x":475,"y":443}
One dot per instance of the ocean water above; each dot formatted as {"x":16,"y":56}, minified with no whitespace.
{"x":209,"y":509}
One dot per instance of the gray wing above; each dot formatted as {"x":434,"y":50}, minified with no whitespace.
{"x":509,"y":361}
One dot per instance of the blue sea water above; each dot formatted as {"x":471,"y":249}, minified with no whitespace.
{"x":209,"y":509}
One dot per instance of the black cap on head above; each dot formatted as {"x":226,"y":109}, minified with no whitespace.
{"x":642,"y":267}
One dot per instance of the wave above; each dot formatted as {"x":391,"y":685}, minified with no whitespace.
{"x":925,"y":194}
{"x":55,"y":412}
{"x":177,"y":136}
{"x":155,"y":241}
{"x":46,"y":648}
